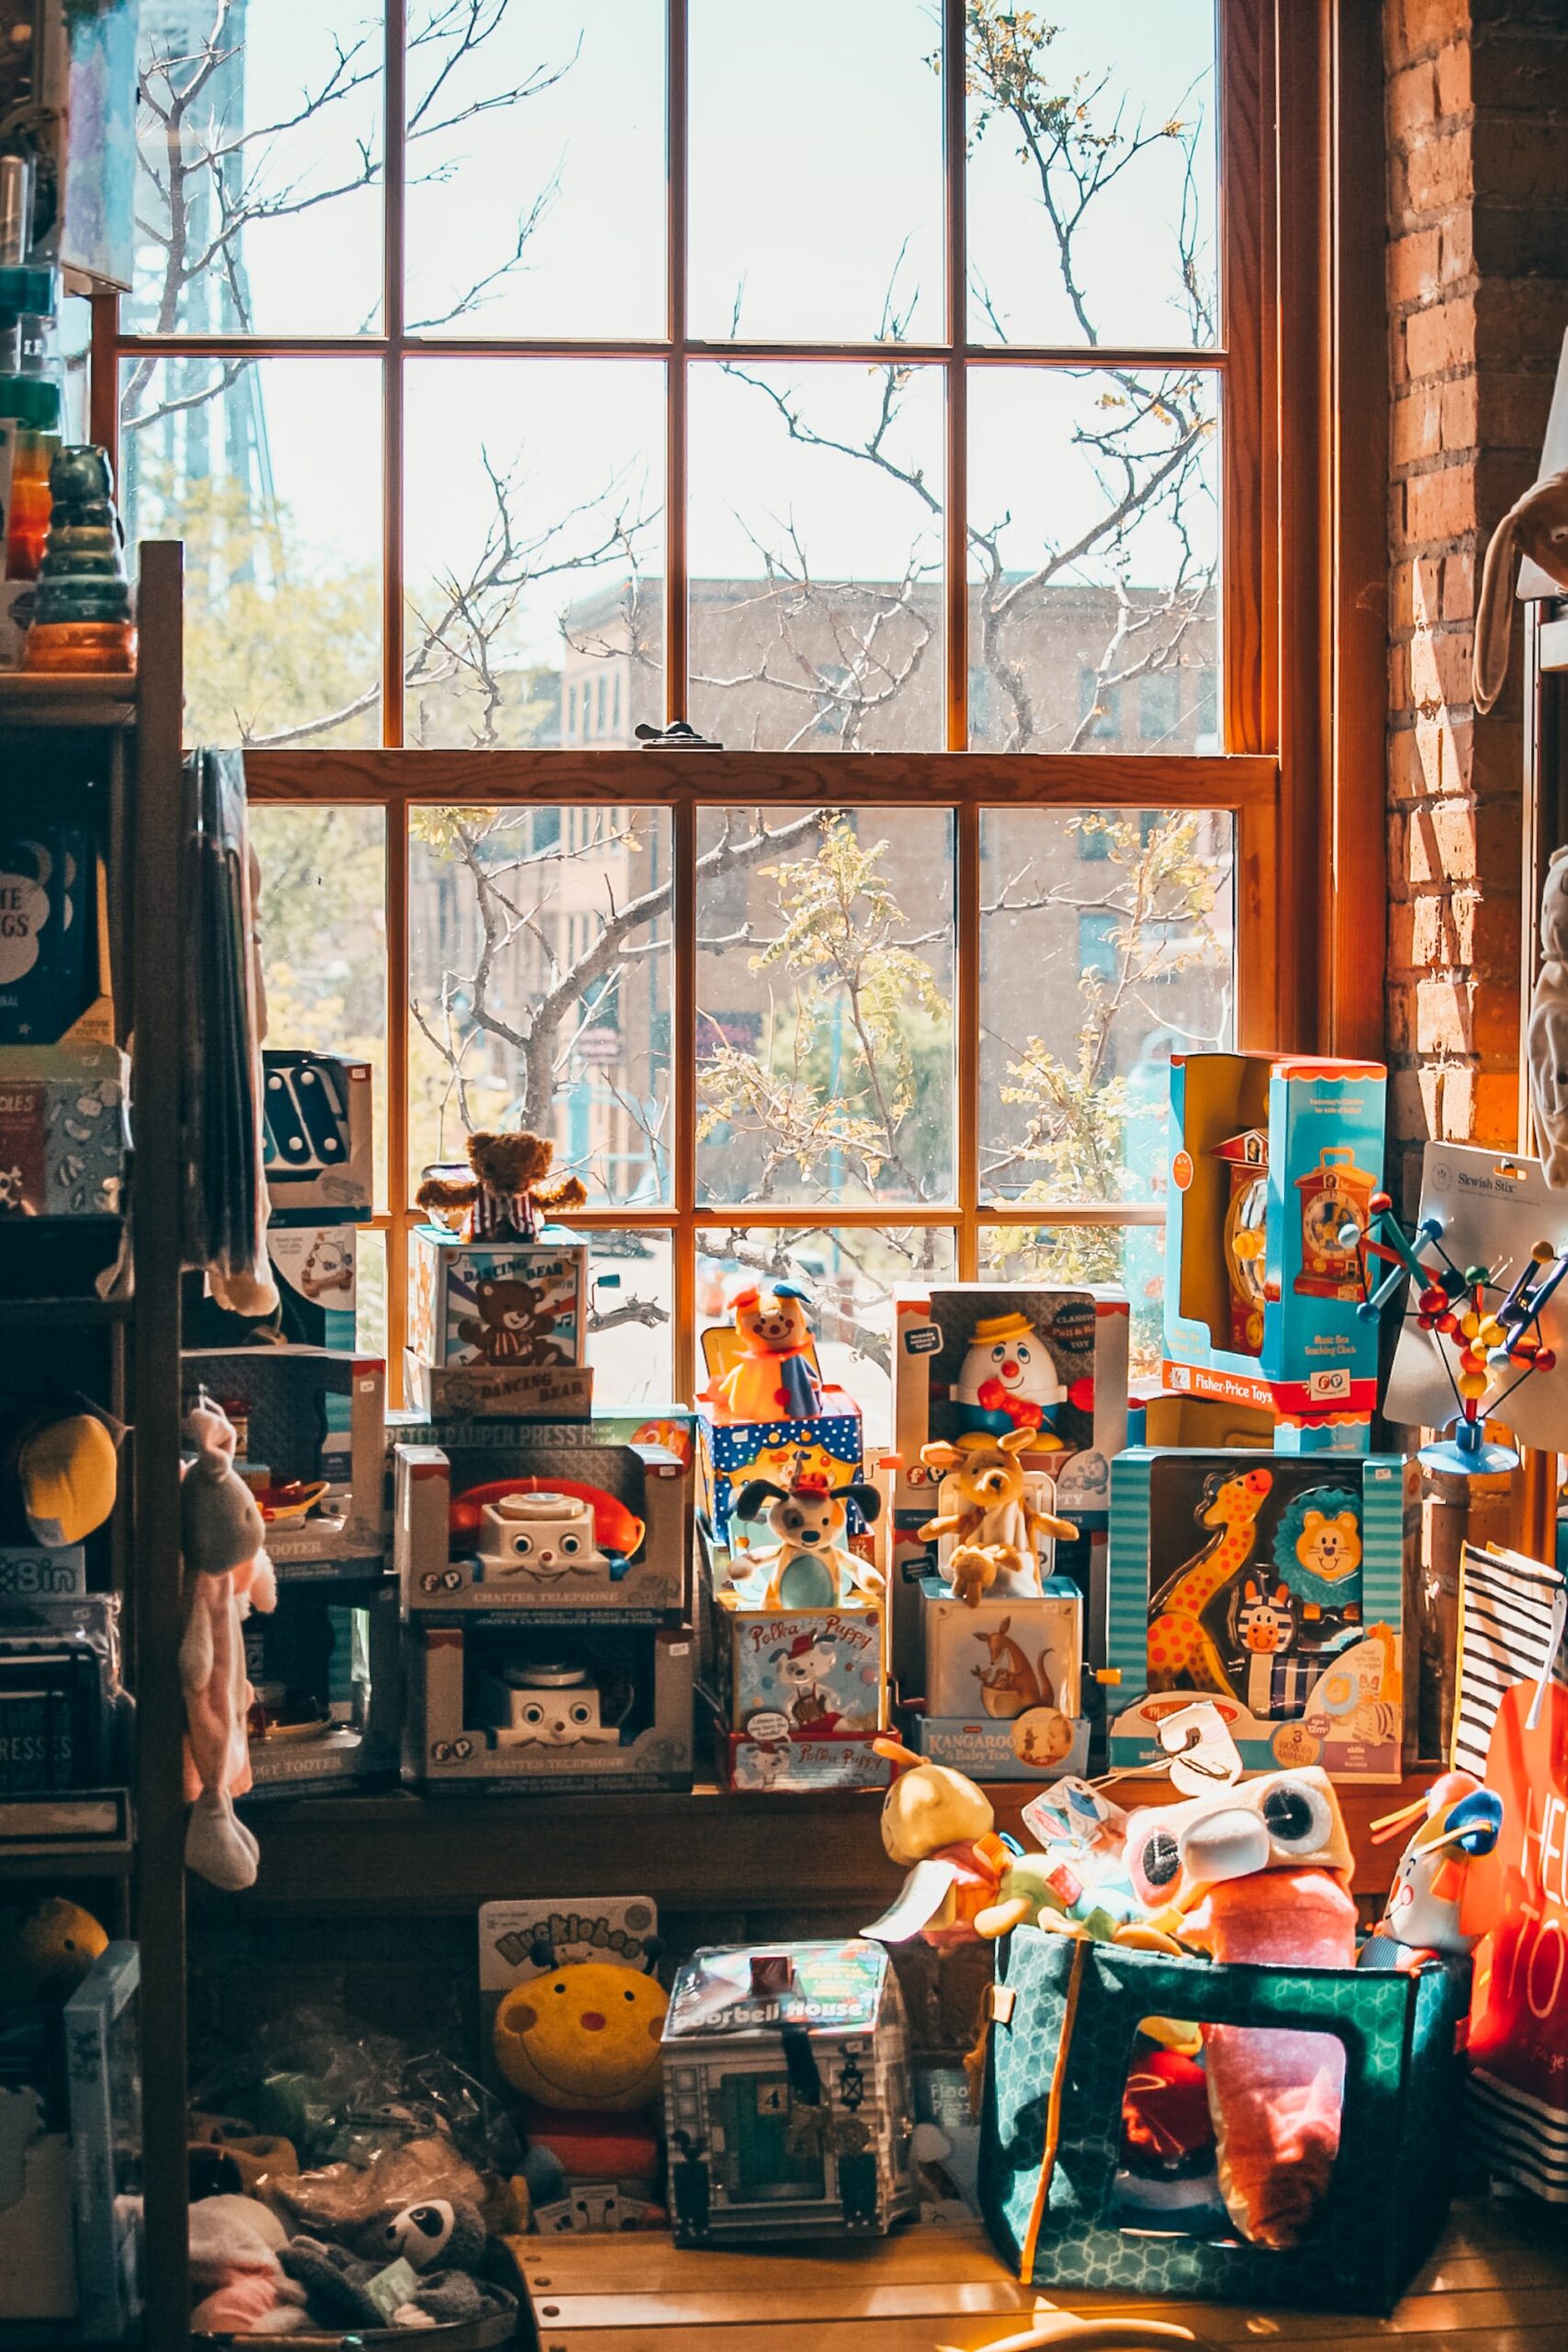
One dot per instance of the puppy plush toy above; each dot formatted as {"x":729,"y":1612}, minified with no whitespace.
{"x":1260,"y":1872}
{"x":812,"y":1568}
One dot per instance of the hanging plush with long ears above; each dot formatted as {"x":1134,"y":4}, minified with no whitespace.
{"x":1535,"y":526}
{"x":500,"y":1198}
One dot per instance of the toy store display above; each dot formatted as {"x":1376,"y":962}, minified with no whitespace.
{"x":1486,"y":1323}
{"x":579,"y":1522}
{"x":576,"y":2017}
{"x":1002,"y":1693}
{"x":766,"y":1418}
{"x":810,"y":1565}
{"x":1274,"y":1164}
{"x":788,"y":2100}
{"x":317,"y":1138}
{"x":575,"y":1707}
{"x":310,"y":1423}
{"x":315,"y":1269}
{"x":1275,"y":1583}
{"x":1008,"y":1405}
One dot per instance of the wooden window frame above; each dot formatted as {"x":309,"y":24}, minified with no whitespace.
{"x":1302,"y":573}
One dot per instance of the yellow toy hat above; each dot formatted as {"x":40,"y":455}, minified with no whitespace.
{"x":992,"y":1327}
{"x":68,"y":1472}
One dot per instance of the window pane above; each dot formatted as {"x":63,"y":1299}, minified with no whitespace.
{"x":1093,"y":560}
{"x":816,"y":171}
{"x":825,"y":1005}
{"x":270,"y":472}
{"x":274,"y":117}
{"x":534,"y":493}
{"x":852,"y":1273}
{"x":1132,"y":1255}
{"x":323,"y":927}
{"x":632,"y":1298}
{"x":540,"y":988}
{"x":536,"y":202}
{"x":1092,"y":203}
{"x":816,"y":557}
{"x":1123,"y":921}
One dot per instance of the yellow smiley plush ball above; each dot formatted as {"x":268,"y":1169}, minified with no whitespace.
{"x":586,"y":2035}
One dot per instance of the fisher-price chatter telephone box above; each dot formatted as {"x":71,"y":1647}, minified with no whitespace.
{"x":1274,"y":1164}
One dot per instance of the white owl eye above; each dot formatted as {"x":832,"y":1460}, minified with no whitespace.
{"x":521,"y":1545}
{"x":571,"y":1544}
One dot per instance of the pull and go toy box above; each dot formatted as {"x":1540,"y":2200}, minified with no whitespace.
{"x":1273,"y":1583}
{"x":1274,"y":1160}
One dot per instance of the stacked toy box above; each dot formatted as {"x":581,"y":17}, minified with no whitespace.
{"x":1008,"y":1405}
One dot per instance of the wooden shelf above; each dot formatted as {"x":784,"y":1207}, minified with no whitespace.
{"x":76,"y":702}
{"x":711,"y":1849}
{"x":51,"y":1312}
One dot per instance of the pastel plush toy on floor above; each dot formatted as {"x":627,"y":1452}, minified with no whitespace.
{"x":996,"y":1530}
{"x":235,"y":2272}
{"x":775,"y":1380}
{"x":227,"y":1574}
{"x":1260,"y":1873}
{"x":812,"y":1568}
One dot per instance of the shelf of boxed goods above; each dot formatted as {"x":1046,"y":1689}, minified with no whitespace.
{"x":762,"y":1852}
{"x":76,"y":703}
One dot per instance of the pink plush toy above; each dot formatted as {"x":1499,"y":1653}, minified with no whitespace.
{"x":235,"y":2272}
{"x":1260,"y":1872}
{"x":228,"y":1574}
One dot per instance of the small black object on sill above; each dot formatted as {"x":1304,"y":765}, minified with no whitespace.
{"x":677,"y":737}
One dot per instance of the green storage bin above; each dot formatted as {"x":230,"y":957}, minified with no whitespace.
{"x":1392,"y":2179}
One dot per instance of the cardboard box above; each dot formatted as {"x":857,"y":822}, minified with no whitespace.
{"x":1003,"y":1657}
{"x":54,"y":939}
{"x":508,"y":1305}
{"x":498,"y":1392}
{"x":800,"y":1767}
{"x":800,"y":1673}
{"x":1030,"y":1748}
{"x":1317,"y":1359}
{"x":730,"y":1453}
{"x":626,"y":1724}
{"x":316,"y":1111}
{"x":63,"y":1130}
{"x":1313,"y":1677}
{"x":289,"y":1399}
{"x":587,"y":1569}
{"x":326,"y":1667}
{"x":1075,"y":1378}
{"x":103,"y":2059}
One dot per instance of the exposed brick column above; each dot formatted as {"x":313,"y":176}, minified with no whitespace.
{"x":1477,"y":111}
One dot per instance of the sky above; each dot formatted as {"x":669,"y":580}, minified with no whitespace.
{"x":816,"y":187}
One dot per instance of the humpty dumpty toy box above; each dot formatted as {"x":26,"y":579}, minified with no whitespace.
{"x":1274,"y":1164}
{"x":789,"y":2100}
{"x":570,"y":1521}
{"x":309,"y":1423}
{"x":972,"y":1360}
{"x":499,"y":1327}
{"x":1002,"y":1692}
{"x":1272,"y":1583}
{"x":766,"y":1411}
{"x":570,"y":1707}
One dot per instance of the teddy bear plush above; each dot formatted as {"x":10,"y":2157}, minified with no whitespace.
{"x":500,"y":1199}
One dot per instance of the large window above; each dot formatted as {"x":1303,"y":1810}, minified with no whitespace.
{"x":871,"y":386}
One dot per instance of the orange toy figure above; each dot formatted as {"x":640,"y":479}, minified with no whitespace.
{"x":776,"y":1379}
{"x":1260,"y":1873}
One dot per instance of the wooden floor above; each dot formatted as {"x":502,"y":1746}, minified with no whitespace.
{"x":1498,"y":2284}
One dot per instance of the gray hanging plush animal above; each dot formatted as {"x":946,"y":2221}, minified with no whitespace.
{"x":1535,"y":525}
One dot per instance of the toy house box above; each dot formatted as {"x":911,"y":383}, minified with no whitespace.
{"x":499,"y":1327}
{"x":312,"y":1450}
{"x":1276,"y":1229}
{"x":972,"y":1356}
{"x":317,"y":1138}
{"x":788,"y":2103}
{"x":563,"y":1518}
{"x":1002,"y":1692}
{"x":1274,"y":1583}
{"x":571,"y":1708}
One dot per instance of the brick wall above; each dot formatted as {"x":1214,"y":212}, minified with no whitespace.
{"x":1477,"y":113}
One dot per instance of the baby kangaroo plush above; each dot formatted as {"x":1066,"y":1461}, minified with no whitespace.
{"x":996,"y":1529}
{"x":812,"y":1567}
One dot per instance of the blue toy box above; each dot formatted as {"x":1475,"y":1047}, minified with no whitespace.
{"x":1274,"y":1165}
{"x":730,"y":1453}
{"x":1273,"y":1583}
{"x":317,"y":1130}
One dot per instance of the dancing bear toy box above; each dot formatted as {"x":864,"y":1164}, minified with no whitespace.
{"x":1272,"y":1583}
{"x":499,"y":1326}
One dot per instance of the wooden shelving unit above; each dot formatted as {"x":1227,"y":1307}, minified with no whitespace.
{"x":141,"y":720}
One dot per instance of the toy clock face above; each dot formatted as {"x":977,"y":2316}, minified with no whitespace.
{"x":1323,"y":1221}
{"x":1246,"y":1258}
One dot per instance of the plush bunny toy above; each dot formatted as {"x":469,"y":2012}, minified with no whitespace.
{"x":228,"y":1574}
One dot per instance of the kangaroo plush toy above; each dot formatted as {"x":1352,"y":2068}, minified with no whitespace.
{"x":996,"y":1529}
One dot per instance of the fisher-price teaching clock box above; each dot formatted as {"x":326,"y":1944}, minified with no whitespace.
{"x":1273,"y":1584}
{"x":1275,"y":1160}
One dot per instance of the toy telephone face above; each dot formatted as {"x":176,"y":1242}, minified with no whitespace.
{"x":1278,"y":1821}
{"x":543,"y":1536}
